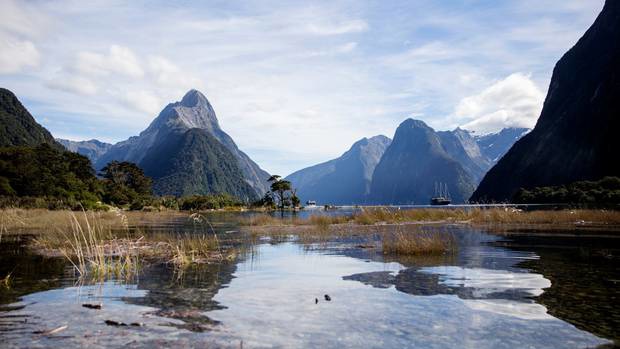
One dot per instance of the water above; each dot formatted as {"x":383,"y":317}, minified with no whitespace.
{"x":540,"y":291}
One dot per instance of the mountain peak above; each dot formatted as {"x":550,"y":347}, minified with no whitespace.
{"x":413,"y":123}
{"x":194,"y":98}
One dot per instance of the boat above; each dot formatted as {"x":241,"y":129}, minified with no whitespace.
{"x":442,"y":196}
{"x":310,"y":203}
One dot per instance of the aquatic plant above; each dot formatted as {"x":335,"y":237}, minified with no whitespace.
{"x":498,"y":215}
{"x":6,"y":281}
{"x":418,"y":242}
{"x":91,"y":247}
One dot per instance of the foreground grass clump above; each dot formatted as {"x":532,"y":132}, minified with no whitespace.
{"x":92,"y":249}
{"x":99,"y":250}
{"x":418,"y":242}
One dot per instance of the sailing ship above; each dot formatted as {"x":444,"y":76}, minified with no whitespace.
{"x":442,"y":195}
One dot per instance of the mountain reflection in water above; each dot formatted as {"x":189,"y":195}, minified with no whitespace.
{"x":494,"y":292}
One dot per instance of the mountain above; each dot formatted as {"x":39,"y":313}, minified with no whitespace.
{"x":188,"y":131}
{"x":413,"y":163}
{"x":494,"y":145}
{"x":345,"y":180}
{"x":574,"y":138}
{"x":194,"y":162}
{"x":18,"y":127}
{"x":92,"y":149}
{"x":462,"y":147}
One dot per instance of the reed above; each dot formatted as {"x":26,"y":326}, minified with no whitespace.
{"x":419,"y":242}
{"x":94,"y":251}
{"x":185,"y":249}
{"x":6,"y":281}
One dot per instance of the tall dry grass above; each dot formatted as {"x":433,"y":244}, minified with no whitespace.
{"x":418,"y":242}
{"x":98,"y":249}
{"x":92,"y":249}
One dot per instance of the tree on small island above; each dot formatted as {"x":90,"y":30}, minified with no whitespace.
{"x":283,"y":191}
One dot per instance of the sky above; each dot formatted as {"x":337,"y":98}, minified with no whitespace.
{"x":294,"y":83}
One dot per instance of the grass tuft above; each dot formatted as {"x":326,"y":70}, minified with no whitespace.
{"x":418,"y":242}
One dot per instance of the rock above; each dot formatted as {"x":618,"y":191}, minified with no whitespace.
{"x":115,"y":323}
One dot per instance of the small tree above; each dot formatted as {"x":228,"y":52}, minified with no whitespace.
{"x":280,"y":188}
{"x":295,"y":199}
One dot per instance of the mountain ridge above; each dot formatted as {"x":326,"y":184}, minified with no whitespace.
{"x":344,"y":180}
{"x":18,"y":127}
{"x":574,"y":137}
{"x":193,"y":111}
{"x":413,"y":162}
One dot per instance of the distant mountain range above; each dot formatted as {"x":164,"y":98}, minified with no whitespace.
{"x":344,"y":180}
{"x":92,"y":149}
{"x":18,"y":127}
{"x":574,"y":138}
{"x":186,"y":152}
{"x":404,"y":171}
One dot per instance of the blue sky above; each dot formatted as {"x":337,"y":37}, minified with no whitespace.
{"x":294,"y":83}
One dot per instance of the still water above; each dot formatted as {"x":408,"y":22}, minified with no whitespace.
{"x":516,"y":291}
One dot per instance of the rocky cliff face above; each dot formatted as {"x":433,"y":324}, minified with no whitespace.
{"x":462,"y":147}
{"x":18,"y":127}
{"x":92,"y":149}
{"x":574,"y":136}
{"x":494,"y":145}
{"x":193,"y":112}
{"x":413,"y":163}
{"x":345,"y":180}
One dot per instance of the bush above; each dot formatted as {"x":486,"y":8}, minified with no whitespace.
{"x":602,"y":193}
{"x":209,"y":202}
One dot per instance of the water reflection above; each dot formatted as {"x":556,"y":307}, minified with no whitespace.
{"x":386,"y":305}
{"x":495,"y":292}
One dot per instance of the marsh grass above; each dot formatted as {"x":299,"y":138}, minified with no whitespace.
{"x":98,"y":248}
{"x":418,"y":242}
{"x":92,"y":250}
{"x":8,"y":219}
{"x":6,"y":281}
{"x":186,"y":249}
{"x":501,"y":215}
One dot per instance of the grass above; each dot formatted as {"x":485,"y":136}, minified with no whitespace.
{"x":93,"y":250}
{"x":506,"y":215}
{"x":6,"y":281}
{"x":418,"y":242}
{"x":35,"y":221}
{"x":107,"y":244}
{"x":99,"y":249}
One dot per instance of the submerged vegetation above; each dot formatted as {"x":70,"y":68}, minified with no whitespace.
{"x":106,"y":244}
{"x":110,"y":244}
{"x":419,"y":242}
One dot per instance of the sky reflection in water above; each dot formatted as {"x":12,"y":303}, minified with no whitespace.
{"x":480,"y":298}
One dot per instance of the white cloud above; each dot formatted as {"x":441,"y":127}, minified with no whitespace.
{"x":16,"y":55}
{"x":143,"y":101}
{"x":20,"y":25}
{"x":119,"y":60}
{"x":169,"y":75}
{"x":282,"y":76}
{"x":74,"y":84}
{"x":515,"y":101}
{"x":348,"y":27}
